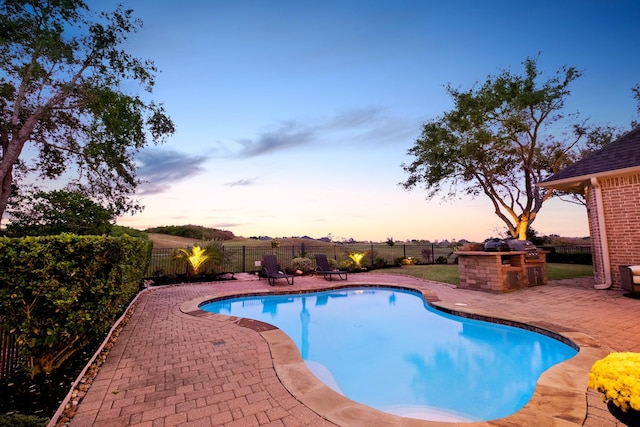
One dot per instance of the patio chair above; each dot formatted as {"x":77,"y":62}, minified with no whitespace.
{"x":272,"y":271}
{"x":326,"y":271}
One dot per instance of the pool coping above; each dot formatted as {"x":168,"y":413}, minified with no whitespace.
{"x":559,"y":398}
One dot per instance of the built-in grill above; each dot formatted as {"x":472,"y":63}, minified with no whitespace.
{"x":496,"y":245}
{"x":530,"y":250}
{"x":502,"y":265}
{"x":508,"y":245}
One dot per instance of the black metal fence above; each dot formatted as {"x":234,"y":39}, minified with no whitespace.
{"x":10,"y":360}
{"x":238,"y":259}
{"x":572,"y":249}
{"x":569,"y":254}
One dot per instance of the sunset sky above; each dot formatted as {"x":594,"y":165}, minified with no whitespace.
{"x":294,"y":117}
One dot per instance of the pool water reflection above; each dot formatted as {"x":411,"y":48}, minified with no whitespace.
{"x":385,"y":348}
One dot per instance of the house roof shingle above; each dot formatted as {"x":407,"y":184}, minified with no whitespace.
{"x":624,"y":153}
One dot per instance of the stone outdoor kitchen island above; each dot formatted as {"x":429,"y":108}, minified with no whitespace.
{"x":500,"y":272}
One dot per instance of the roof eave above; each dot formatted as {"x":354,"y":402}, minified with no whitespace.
{"x":576,"y":184}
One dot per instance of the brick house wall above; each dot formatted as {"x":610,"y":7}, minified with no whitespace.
{"x":621,"y":205}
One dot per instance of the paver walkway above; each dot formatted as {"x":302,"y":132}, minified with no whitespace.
{"x":171,"y":368}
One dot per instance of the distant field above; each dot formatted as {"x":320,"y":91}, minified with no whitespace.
{"x":168,"y":241}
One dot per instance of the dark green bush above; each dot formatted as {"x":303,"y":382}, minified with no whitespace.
{"x":304,"y":264}
{"x":20,"y":420}
{"x":379,"y":262}
{"x":119,"y":230}
{"x":193,"y":232}
{"x":583,"y":258}
{"x":57,"y":293}
{"x":571,"y":258}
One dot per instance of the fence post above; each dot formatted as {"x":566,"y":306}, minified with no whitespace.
{"x":224,"y":257}
{"x":404,"y":251}
{"x":10,"y":358}
{"x":372,"y":254}
{"x":244,"y":258}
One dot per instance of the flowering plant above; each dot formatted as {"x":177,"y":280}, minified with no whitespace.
{"x":617,"y":376}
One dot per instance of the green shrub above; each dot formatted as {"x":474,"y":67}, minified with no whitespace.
{"x":193,"y":232}
{"x":20,"y":420}
{"x":406,"y":261}
{"x":57,"y":293}
{"x":119,"y":230}
{"x":357,"y":261}
{"x":584,"y":258}
{"x":441,"y":260}
{"x":379,"y":262}
{"x":333,"y":264}
{"x":347,"y":264}
{"x":306,"y":265}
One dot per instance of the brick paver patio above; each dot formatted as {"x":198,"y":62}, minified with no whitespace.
{"x":170,"y":367}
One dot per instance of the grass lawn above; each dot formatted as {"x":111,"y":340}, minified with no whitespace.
{"x":449,"y":273}
{"x":568,"y":271}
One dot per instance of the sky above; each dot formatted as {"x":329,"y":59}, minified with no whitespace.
{"x":294,"y":118}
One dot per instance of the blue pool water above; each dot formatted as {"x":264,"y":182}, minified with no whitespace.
{"x":386,"y":349}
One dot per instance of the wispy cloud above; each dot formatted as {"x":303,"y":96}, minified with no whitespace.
{"x":241,"y":182}
{"x":225,"y":225}
{"x":289,"y":134}
{"x":355,"y":119}
{"x":158,"y":169}
{"x":370,"y":123}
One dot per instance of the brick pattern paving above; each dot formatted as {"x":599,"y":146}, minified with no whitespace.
{"x":170,"y":368}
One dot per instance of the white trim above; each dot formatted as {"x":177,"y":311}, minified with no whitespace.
{"x":582,"y":178}
{"x":604,"y":244}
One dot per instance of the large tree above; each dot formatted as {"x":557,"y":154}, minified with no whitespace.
{"x":499,"y":140}
{"x":65,"y":111}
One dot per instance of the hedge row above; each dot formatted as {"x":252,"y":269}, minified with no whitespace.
{"x":584,"y":258}
{"x":57,"y":293}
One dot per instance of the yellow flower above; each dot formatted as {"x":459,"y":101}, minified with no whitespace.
{"x":617,"y":376}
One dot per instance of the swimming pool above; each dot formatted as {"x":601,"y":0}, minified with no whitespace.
{"x":386,"y":349}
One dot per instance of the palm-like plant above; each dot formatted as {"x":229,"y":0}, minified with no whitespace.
{"x":356,"y":257}
{"x":196,"y":258}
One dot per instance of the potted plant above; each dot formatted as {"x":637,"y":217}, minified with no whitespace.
{"x":617,"y":377}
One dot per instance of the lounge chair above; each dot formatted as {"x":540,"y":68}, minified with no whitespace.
{"x":272,"y":271}
{"x":324,"y":269}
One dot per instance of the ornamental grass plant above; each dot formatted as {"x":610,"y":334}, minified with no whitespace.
{"x":617,"y":377}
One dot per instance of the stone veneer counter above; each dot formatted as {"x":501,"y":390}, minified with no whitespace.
{"x":501,"y":271}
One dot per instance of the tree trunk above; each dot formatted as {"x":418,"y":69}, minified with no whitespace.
{"x":5,"y":189}
{"x":12,"y":145}
{"x":522,"y":229}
